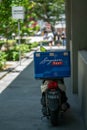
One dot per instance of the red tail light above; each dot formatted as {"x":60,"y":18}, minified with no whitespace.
{"x":52,"y":85}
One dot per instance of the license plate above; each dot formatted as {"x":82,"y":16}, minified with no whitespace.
{"x":53,"y":95}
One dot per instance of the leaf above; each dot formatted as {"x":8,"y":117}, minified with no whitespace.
{"x":42,"y":49}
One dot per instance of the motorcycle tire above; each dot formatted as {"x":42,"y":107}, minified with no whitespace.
{"x":54,"y":118}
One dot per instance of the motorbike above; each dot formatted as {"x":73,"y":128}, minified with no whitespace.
{"x":54,"y":99}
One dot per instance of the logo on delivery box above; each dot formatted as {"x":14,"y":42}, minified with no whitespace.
{"x":54,"y":62}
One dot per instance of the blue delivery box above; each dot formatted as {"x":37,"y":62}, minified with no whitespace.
{"x":52,"y":65}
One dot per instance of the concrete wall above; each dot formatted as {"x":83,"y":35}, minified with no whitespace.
{"x":76,"y":24}
{"x":82,"y":83}
{"x":76,"y":31}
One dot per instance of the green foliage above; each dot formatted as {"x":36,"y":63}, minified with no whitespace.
{"x":35,"y":44}
{"x":12,"y":55}
{"x":6,"y":23}
{"x":49,"y":10}
{"x":46,"y":10}
{"x":22,"y":47}
{"x":15,"y":56}
{"x":1,"y":43}
{"x":42,"y":49}
{"x":2,"y":59}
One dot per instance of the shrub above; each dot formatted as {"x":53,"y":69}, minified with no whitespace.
{"x":12,"y":55}
{"x":2,"y":59}
{"x":34,"y":44}
{"x":22,"y":47}
{"x":15,"y":56}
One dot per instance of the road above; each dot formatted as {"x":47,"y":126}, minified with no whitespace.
{"x":20,"y":107}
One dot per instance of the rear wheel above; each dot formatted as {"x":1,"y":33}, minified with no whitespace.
{"x":54,"y":118}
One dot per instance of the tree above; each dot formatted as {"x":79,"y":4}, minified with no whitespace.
{"x":46,"y":10}
{"x":49,"y":11}
{"x":28,"y":25}
{"x":5,"y":17}
{"x":9,"y":25}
